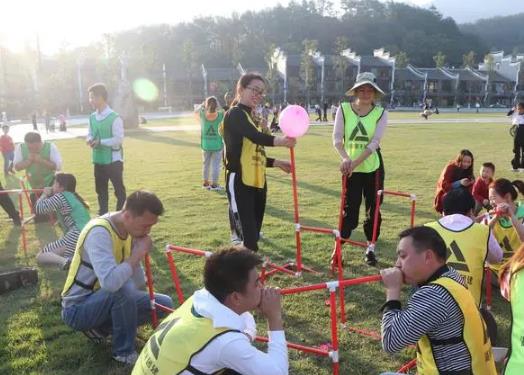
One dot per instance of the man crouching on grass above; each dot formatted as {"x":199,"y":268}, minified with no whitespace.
{"x":441,"y":317}
{"x":212,"y":331}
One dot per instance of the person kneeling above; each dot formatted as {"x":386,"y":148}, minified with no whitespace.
{"x":441,"y":316}
{"x":213,"y":330}
{"x":103,"y":291}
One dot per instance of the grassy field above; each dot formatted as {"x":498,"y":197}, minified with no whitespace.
{"x":33,"y":339}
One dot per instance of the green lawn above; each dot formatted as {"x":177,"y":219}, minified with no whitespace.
{"x":33,"y":339}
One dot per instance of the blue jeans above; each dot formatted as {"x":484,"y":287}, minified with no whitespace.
{"x":8,"y":160}
{"x":120,"y":312}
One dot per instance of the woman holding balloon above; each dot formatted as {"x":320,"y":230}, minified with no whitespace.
{"x":246,"y":160}
{"x":359,"y":127}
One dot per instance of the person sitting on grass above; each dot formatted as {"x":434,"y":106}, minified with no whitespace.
{"x":512,"y":289}
{"x":103,"y":291}
{"x":441,"y":316}
{"x":212,"y":331}
{"x":481,"y":187}
{"x":73,"y":215}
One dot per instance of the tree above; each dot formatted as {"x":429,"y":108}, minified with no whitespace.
{"x":188,"y":58}
{"x":341,"y":63}
{"x":307,"y":65}
{"x":439,"y":59}
{"x":468,"y":60}
{"x":401,"y":59}
{"x":490,"y":62}
{"x":272,"y":72}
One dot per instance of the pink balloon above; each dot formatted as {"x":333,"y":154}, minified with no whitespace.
{"x":294,"y":121}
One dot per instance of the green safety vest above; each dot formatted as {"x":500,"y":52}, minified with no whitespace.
{"x":79,"y":213}
{"x":103,"y":130}
{"x":211,"y":140}
{"x":515,"y":363}
{"x":177,"y":339}
{"x":358,"y":132}
{"x":38,"y":175}
{"x":507,"y":237}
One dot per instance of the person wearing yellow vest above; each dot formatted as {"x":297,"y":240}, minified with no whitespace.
{"x":507,"y":220}
{"x":358,"y":130}
{"x":512,"y":288}
{"x":469,"y":244}
{"x":441,"y":316}
{"x":246,"y":161}
{"x":105,"y":137}
{"x":212,"y":332}
{"x":210,"y":142}
{"x":104,"y":290}
{"x":73,"y":214}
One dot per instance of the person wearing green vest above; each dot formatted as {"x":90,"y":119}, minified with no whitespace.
{"x":246,"y":161}
{"x":441,"y":316}
{"x":73,"y":214}
{"x":40,"y":160}
{"x":212,"y":332}
{"x":359,"y":127}
{"x":104,"y":293}
{"x":512,"y":289}
{"x":211,"y":142}
{"x":105,"y":137}
{"x":507,"y":220}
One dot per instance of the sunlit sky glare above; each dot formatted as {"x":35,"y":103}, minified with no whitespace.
{"x":72,"y":23}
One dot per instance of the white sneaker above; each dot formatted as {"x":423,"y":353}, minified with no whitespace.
{"x":127,"y":359}
{"x":216,"y":187}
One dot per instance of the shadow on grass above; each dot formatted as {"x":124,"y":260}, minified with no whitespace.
{"x":150,"y":136}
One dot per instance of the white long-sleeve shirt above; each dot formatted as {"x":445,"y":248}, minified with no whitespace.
{"x":338,"y":133}
{"x":233,"y":350}
{"x":459,"y":222}
{"x":118,"y":133}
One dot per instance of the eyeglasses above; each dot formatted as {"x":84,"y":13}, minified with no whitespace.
{"x":256,"y":91}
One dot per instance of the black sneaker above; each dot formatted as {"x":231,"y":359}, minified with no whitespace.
{"x":371,"y":259}
{"x":16,"y":220}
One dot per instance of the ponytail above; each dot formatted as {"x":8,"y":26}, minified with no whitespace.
{"x":519,"y":184}
{"x":68,"y":182}
{"x":84,"y":203}
{"x":503,"y":186}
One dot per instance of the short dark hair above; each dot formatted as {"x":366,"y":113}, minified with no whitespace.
{"x":5,"y":126}
{"x":425,"y":238}
{"x":227,"y":271}
{"x":489,"y":165}
{"x":32,"y":137}
{"x":98,"y":89}
{"x":141,"y":201}
{"x":458,"y":201}
{"x":521,"y":105}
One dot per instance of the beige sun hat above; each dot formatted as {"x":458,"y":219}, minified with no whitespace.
{"x":365,"y":78}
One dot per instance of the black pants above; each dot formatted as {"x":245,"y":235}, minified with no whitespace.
{"x":7,"y":205}
{"x":363,"y":185}
{"x":246,"y":209}
{"x":104,"y":173}
{"x":518,"y":148}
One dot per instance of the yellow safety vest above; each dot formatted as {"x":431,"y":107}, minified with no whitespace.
{"x":515,"y":363}
{"x":358,"y":132}
{"x":474,"y":335}
{"x":177,"y":339}
{"x":253,"y":161}
{"x":467,"y":250}
{"x":121,"y":251}
{"x":507,"y":237}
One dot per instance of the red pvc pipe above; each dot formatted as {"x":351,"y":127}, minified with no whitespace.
{"x":279,"y":268}
{"x":14,"y":191}
{"x":342,"y":202}
{"x":334,"y":329}
{"x":316,"y":229}
{"x":354,"y":243}
{"x":22,"y":185}
{"x":303,"y":348}
{"x":488,"y":288}
{"x":296,"y":217}
{"x":305,"y":288}
{"x":375,"y":218}
{"x":364,"y":332}
{"x":360,"y":280}
{"x":338,"y":254}
{"x":164,"y":308}
{"x":186,"y":250}
{"x":397,"y":193}
{"x":408,"y":366}
{"x":154,"y":317}
{"x":174,"y":277}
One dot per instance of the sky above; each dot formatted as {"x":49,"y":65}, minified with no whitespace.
{"x":71,"y":23}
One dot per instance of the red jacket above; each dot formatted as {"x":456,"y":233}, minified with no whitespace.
{"x":450,"y":174}
{"x":481,"y":189}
